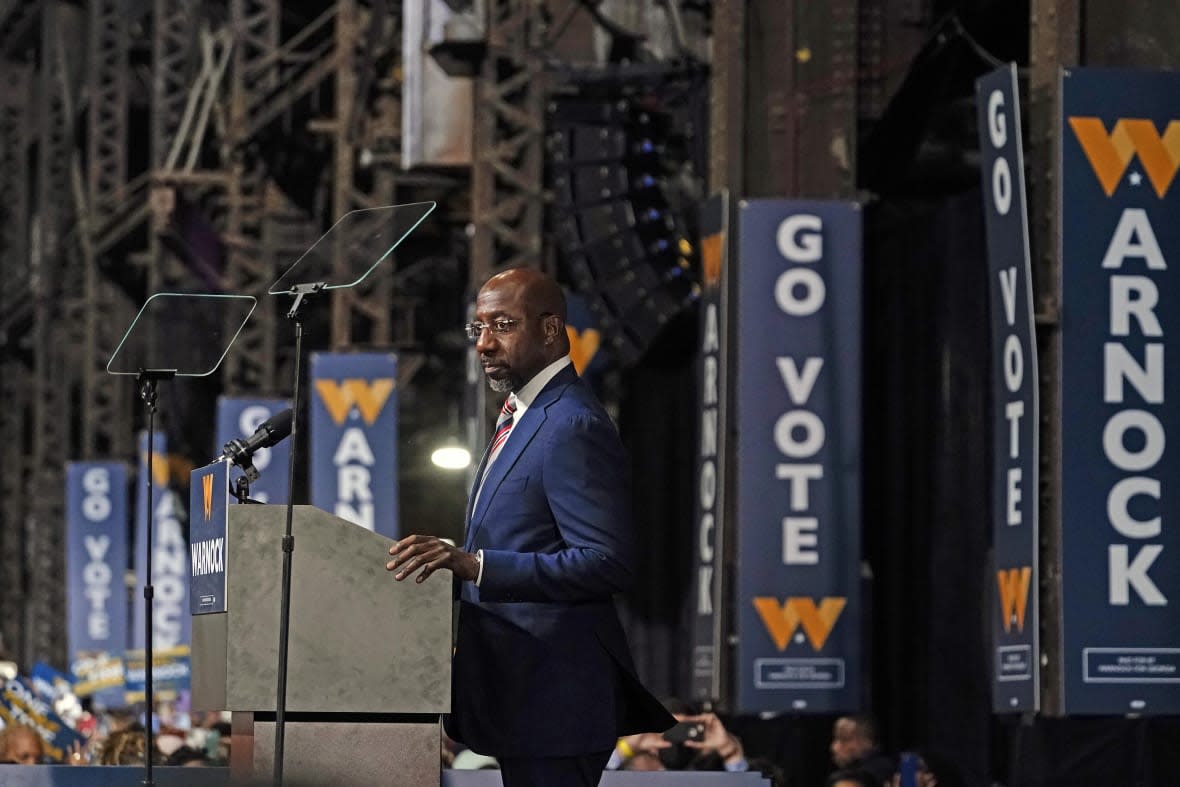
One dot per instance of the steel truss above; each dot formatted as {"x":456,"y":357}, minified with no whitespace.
{"x":56,"y":270}
{"x":507,"y":174}
{"x":16,"y":380}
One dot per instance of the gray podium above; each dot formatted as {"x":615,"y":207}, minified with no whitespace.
{"x":369,"y":658}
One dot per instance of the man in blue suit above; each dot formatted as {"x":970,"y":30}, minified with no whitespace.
{"x":542,"y":676}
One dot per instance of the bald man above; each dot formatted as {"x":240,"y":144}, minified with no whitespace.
{"x":543,"y":680}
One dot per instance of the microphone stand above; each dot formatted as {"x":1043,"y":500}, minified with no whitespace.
{"x":147,"y":379}
{"x":303,"y":293}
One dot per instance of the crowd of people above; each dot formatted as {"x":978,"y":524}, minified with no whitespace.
{"x":117,"y":738}
{"x":699,"y":742}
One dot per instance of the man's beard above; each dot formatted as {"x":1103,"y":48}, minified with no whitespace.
{"x":504,"y":385}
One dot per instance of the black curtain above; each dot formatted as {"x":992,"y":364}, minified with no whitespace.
{"x":927,"y":514}
{"x":656,"y":420}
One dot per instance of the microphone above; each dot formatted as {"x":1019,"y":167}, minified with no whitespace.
{"x":241,"y":451}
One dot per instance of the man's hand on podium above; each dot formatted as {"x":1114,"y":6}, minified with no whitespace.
{"x":430,"y":553}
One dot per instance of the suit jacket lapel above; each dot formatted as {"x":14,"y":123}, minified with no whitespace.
{"x":475,"y":484}
{"x":519,"y":439}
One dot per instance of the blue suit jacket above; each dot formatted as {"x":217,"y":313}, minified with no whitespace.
{"x":541,"y":665}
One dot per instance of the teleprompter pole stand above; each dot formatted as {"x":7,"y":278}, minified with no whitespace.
{"x":303,"y":293}
{"x":148,"y":378}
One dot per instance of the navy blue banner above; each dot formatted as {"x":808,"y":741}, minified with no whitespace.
{"x":709,"y":502}
{"x":1015,"y":415}
{"x":354,"y":438}
{"x":240,"y":417}
{"x":797,"y":458}
{"x":208,"y":518}
{"x":172,"y":624}
{"x":588,"y":353}
{"x":97,"y":551}
{"x":1120,"y":147}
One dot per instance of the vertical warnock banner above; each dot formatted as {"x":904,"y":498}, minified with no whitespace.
{"x":171,"y":624}
{"x":353,"y":459}
{"x":798,"y":456}
{"x":1120,"y":507}
{"x":1015,"y":625}
{"x":709,"y":502}
{"x":241,"y":417}
{"x":97,"y":536}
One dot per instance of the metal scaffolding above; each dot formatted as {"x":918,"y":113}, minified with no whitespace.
{"x":507,"y":194}
{"x":95,"y":227}
{"x":90,"y":230}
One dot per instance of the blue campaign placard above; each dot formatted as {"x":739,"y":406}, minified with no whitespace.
{"x":172,"y":671}
{"x":97,"y":551}
{"x":1120,"y":554}
{"x":353,"y":460}
{"x":798,"y":456}
{"x":20,"y":704}
{"x":1015,"y":416}
{"x":208,"y":519}
{"x":50,"y":683}
{"x":240,"y":417}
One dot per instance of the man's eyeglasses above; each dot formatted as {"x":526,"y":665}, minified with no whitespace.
{"x":500,"y":325}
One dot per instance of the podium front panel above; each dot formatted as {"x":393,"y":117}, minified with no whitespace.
{"x":359,"y":642}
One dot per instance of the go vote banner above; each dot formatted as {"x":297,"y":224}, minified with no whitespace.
{"x":1015,"y":416}
{"x":239,"y":417}
{"x":96,"y":560}
{"x":797,"y":457}
{"x":1120,"y":408}
{"x":353,"y":458}
{"x":171,"y":624}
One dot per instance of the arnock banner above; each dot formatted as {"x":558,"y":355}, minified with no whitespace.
{"x":1120,"y":419}
{"x":353,"y":457}
{"x":1015,"y":659}
{"x":798,"y":456}
{"x":172,"y":625}
{"x":710,"y":499}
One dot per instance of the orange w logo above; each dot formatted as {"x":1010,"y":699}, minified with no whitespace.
{"x":368,"y":397}
{"x":796,"y":611}
{"x":1109,"y":154}
{"x":207,"y":491}
{"x":1014,"y":595}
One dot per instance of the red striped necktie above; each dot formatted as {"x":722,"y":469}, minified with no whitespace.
{"x":503,"y":426}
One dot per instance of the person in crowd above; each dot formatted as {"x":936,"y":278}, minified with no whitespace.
{"x":21,"y":745}
{"x":715,"y":749}
{"x":123,"y":747}
{"x":933,"y":770}
{"x":542,"y":678}
{"x":854,"y":747}
{"x":187,"y":757}
{"x":770,"y":770}
{"x":853,"y":777}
